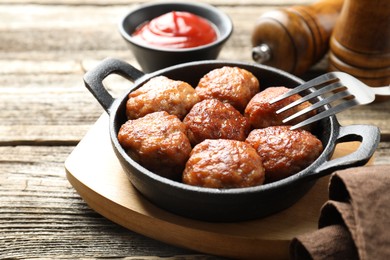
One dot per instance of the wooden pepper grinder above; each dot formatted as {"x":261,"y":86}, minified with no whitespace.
{"x":295,"y":38}
{"x":360,"y":43}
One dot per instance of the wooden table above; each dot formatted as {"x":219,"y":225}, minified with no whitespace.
{"x":45,"y":110}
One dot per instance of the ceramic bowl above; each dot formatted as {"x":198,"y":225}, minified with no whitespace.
{"x":153,"y":58}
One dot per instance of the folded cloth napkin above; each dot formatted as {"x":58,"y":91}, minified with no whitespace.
{"x":355,"y":222}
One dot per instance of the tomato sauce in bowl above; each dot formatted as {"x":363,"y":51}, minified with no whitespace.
{"x":176,"y":30}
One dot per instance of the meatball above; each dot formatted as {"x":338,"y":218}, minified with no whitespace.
{"x":284,"y":152}
{"x":158,"y":142}
{"x":232,"y":85}
{"x":263,"y":114}
{"x":161,"y":94}
{"x":223,"y":164}
{"x":213,"y":119}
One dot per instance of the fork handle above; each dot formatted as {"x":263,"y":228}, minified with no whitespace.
{"x":368,"y":135}
{"x":382,"y":91}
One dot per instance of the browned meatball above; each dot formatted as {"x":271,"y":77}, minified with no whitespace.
{"x":263,"y":114}
{"x":161,"y":94}
{"x":284,"y":152}
{"x":158,"y":142}
{"x":223,"y":164}
{"x":232,"y":85}
{"x":213,"y":119}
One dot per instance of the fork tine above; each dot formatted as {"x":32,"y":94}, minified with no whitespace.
{"x":332,"y":111}
{"x":311,"y":83}
{"x":320,"y":103}
{"x":316,"y":93}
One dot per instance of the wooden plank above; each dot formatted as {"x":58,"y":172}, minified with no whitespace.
{"x":60,"y":56}
{"x":67,"y":109}
{"x":128,"y":2}
{"x":45,"y":48}
{"x":41,"y":215}
{"x":59,"y":102}
{"x":76,"y":31}
{"x":382,"y":154}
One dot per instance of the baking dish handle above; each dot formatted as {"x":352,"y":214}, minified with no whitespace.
{"x":368,"y":135}
{"x":93,"y":79}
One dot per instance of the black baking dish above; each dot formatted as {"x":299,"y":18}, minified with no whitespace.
{"x":225,"y":204}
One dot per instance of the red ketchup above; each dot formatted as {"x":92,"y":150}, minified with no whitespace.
{"x":176,"y":30}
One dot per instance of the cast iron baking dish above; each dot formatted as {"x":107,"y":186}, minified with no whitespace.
{"x":225,"y":205}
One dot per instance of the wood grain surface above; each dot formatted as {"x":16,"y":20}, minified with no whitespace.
{"x":45,"y":48}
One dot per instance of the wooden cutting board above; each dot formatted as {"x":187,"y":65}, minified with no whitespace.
{"x":94,"y":171}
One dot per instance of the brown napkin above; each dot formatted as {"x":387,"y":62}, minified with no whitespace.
{"x":355,"y":222}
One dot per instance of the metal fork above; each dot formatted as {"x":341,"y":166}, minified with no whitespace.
{"x":340,"y":87}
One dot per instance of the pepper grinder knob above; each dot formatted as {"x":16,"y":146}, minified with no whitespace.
{"x":295,"y":38}
{"x":360,"y":43}
{"x":261,"y":53}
